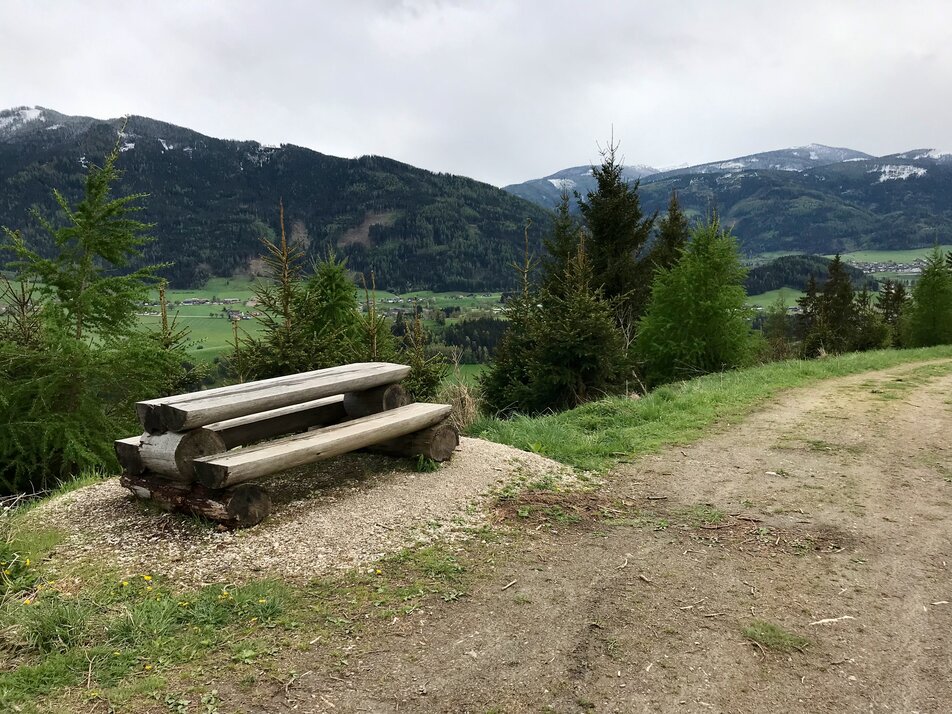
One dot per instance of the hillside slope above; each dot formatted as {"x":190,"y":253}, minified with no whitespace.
{"x":212,"y":199}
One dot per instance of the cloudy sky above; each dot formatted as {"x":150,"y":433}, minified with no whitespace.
{"x":499,"y":90}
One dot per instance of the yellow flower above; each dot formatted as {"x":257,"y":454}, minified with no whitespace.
{"x":148,"y":667}
{"x":262,"y":600}
{"x":28,"y":562}
{"x":147,"y":578}
{"x":6,"y":572}
{"x":27,"y":601}
{"x":378,"y":571}
{"x":125,"y":583}
{"x":117,"y":653}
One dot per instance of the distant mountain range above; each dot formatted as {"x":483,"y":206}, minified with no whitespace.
{"x":813,"y":199}
{"x":211,"y":200}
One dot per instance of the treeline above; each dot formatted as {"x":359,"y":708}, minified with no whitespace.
{"x":833,"y":317}
{"x":795,"y":271}
{"x":626,"y":301}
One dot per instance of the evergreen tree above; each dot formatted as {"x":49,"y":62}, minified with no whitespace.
{"x":697,"y":320}
{"x":892,"y":302}
{"x":72,"y":364}
{"x":870,"y":330}
{"x":579,"y":353}
{"x":617,"y":233}
{"x":810,"y":317}
{"x":929,"y":316}
{"x":505,"y":385}
{"x":78,"y":284}
{"x":839,"y":310}
{"x":673,"y":235}
{"x":561,"y":244}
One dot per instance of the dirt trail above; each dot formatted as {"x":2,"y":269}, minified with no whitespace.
{"x":832,"y":506}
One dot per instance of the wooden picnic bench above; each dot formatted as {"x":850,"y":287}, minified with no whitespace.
{"x":199,"y":451}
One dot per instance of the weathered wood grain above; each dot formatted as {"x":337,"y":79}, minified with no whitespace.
{"x":268,"y":458}
{"x":188,"y":411}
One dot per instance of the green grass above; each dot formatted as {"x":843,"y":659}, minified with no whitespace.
{"x":897,"y":256}
{"x":86,"y":636}
{"x":768,"y":298}
{"x":595,"y":435}
{"x":773,"y":637}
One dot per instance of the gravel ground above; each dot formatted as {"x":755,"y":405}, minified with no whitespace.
{"x":335,"y":514}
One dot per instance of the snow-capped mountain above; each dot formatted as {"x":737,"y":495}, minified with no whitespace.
{"x":548,"y":190}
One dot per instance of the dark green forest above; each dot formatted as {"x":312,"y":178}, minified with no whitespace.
{"x":795,"y":271}
{"x":211,"y":201}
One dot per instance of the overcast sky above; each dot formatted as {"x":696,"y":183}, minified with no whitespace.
{"x":499,"y":90}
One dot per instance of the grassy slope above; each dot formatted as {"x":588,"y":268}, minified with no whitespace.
{"x":596,"y":435}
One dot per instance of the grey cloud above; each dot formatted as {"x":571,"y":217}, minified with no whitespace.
{"x":498,"y":90}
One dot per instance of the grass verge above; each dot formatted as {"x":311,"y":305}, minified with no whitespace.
{"x":595,"y":435}
{"x":84,"y":636}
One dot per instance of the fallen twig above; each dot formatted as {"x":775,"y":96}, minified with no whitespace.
{"x":509,"y":585}
{"x":832,"y":619}
{"x":623,"y":565}
{"x":645,"y":578}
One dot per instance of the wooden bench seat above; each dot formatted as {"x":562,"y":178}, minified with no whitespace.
{"x":189,"y":411}
{"x":223,"y":470}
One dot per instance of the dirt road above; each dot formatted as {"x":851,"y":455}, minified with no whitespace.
{"x":827,"y":514}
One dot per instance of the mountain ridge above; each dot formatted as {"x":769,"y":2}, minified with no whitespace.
{"x":213,"y":199}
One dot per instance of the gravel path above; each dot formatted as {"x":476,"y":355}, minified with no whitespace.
{"x":336,"y":514}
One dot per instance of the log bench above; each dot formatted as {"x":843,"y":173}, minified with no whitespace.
{"x":199,"y":451}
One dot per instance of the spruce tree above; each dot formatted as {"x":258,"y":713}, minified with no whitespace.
{"x":837,"y":305}
{"x":697,"y":320}
{"x":580,"y":353}
{"x":72,"y":363}
{"x":82,"y":284}
{"x":505,"y":384}
{"x":891,"y":304}
{"x":560,"y":245}
{"x":870,"y":330}
{"x":673,"y":235}
{"x":776,"y":330}
{"x":929,"y":316}
{"x":618,"y":231}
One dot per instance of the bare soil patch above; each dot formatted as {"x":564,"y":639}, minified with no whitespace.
{"x":827,"y":515}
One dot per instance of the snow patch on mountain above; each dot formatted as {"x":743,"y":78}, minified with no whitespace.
{"x":13,"y":119}
{"x":933,"y":154}
{"x":166,"y":146}
{"x":563,"y":184}
{"x":897,"y":172}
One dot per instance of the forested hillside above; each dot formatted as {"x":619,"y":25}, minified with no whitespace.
{"x":795,"y":271}
{"x":211,"y":200}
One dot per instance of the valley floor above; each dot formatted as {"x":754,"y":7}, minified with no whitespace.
{"x":827,"y":514}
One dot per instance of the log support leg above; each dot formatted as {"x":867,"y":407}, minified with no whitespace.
{"x":436,"y":442}
{"x":238,"y":507}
